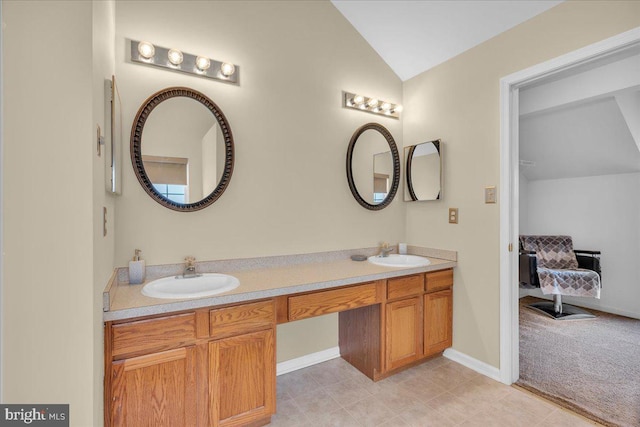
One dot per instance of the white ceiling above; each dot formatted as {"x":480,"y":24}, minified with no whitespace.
{"x":584,"y":121}
{"x":413,"y":36}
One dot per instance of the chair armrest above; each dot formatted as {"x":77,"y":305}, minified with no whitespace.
{"x":528,"y":268}
{"x":586,"y":252}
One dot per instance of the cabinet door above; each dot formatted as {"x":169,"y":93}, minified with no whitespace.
{"x":403,"y":332}
{"x":155,"y":390}
{"x":242,"y":378}
{"x":438,"y":314}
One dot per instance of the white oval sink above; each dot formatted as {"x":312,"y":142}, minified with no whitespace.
{"x":204,"y":285}
{"x":395,"y":260}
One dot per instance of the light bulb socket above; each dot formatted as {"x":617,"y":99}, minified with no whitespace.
{"x":227,"y":69}
{"x":203,"y":63}
{"x":146,"y":50}
{"x":175,"y":57}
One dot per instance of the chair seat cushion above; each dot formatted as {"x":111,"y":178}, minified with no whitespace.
{"x":574,"y":282}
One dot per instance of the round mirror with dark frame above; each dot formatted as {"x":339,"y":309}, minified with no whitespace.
{"x":186,"y":161}
{"x":373,"y":166}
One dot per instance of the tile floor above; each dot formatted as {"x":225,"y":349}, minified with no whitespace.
{"x":437,"y":393}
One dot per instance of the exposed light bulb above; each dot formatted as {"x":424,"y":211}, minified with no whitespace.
{"x":227,"y":69}
{"x":397,"y":108}
{"x":385,"y":106}
{"x":358,"y":99}
{"x":372,"y":102}
{"x":203,"y":63}
{"x":146,"y":50}
{"x":175,"y":56}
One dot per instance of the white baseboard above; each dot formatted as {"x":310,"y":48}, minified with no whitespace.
{"x":307,"y":360}
{"x":334,"y":352}
{"x":471,"y":363}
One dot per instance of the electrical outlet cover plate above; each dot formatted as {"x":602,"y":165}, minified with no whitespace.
{"x":490,"y":194}
{"x":453,"y":215}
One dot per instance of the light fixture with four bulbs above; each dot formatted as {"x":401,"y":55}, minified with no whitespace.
{"x":371,"y":105}
{"x":144,"y":52}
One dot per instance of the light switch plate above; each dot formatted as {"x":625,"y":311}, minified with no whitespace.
{"x":453,"y":215}
{"x":490,"y":194}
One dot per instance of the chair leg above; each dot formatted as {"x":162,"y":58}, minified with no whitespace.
{"x":559,"y":311}
{"x":557,"y":303}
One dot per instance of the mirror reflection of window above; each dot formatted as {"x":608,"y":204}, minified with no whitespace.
{"x":170,"y":176}
{"x":175,"y":193}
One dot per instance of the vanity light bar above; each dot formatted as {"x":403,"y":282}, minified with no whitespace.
{"x":371,"y":105}
{"x":145,"y":53}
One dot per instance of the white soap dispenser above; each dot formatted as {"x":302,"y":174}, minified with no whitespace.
{"x":136,"y":269}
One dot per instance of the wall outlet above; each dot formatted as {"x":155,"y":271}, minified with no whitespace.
{"x":490,"y":194}
{"x":453,"y":215}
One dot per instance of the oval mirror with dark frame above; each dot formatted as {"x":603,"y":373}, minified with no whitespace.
{"x":183,"y":153}
{"x":423,"y":167}
{"x":373,"y":166}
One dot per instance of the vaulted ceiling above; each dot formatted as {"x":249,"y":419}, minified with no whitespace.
{"x":413,"y":36}
{"x":584,"y":121}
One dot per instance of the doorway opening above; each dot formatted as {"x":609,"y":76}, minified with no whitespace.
{"x":509,"y":177}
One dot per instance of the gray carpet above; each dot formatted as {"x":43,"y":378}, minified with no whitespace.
{"x":591,"y":366}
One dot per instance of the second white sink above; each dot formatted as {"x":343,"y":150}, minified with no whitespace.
{"x":395,"y":260}
{"x":204,"y":285}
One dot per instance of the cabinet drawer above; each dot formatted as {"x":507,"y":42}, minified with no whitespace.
{"x":439,"y":280}
{"x":240,"y":319}
{"x":324,"y":302}
{"x":147,"y":336}
{"x":405,"y":286}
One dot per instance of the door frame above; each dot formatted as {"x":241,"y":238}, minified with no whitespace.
{"x":509,"y":179}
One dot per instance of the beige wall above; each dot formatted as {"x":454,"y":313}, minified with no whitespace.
{"x":289,"y":192}
{"x":54,"y":262}
{"x":458,"y":101}
{"x":103,"y":246}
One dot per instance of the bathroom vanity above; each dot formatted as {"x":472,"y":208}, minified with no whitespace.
{"x":215,"y":364}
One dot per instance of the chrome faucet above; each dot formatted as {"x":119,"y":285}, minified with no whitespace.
{"x":189,"y":267}
{"x":385,"y":249}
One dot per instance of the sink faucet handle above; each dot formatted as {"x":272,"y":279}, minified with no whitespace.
{"x":190,"y":261}
{"x":385,"y":249}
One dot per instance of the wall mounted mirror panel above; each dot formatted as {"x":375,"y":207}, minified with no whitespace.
{"x":423,"y":167}
{"x":373,"y":166}
{"x":113,"y":119}
{"x":182,"y":149}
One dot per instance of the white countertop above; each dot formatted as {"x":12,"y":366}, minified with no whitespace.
{"x":263,"y":278}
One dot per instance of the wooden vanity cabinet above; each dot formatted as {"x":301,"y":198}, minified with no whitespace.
{"x":438,"y":308}
{"x":438,"y":312}
{"x":403,"y":325}
{"x":242,"y":374}
{"x":418,"y":315}
{"x":155,"y":390}
{"x":215,"y":368}
{"x":150,"y":372}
